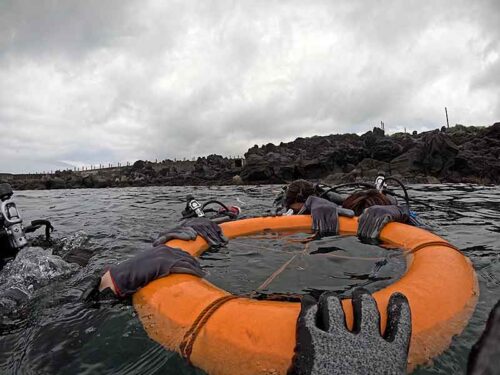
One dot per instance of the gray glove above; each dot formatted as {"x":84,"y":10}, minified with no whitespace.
{"x":325,"y":346}
{"x":325,"y":215}
{"x":190,"y":228}
{"x":160,"y":261}
{"x":180,"y":233}
{"x":374,"y":218}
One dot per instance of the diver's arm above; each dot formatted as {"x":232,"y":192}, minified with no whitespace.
{"x":107,"y":282}
{"x":37,"y":224}
{"x":126,"y":278}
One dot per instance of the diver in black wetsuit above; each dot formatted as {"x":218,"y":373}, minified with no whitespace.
{"x":375,"y":207}
{"x":124,"y":279}
{"x":12,"y":231}
{"x":12,"y":240}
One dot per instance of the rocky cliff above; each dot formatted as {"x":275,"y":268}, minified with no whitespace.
{"x":457,"y":154}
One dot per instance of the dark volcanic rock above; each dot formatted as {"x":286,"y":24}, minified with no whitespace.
{"x":432,"y":155}
{"x":257,"y":168}
{"x":214,"y":168}
{"x":457,"y":154}
{"x":380,"y":147}
{"x":478,"y":160}
{"x":309,"y":158}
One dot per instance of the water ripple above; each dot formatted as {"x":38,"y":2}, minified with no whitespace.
{"x":53,"y":332}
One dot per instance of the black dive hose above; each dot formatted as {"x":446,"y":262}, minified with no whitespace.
{"x":213,"y":201}
{"x":227,"y":213}
{"x":35,"y":224}
{"x":349,"y":184}
{"x":406,"y":197}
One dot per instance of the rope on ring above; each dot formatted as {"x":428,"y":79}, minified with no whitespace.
{"x":432,"y":243}
{"x":186,"y":346}
{"x":187,"y":343}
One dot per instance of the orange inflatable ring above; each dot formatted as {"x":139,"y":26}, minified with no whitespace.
{"x":246,"y":336}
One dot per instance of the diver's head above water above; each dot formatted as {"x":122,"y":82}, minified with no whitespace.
{"x":298,"y":191}
{"x":360,"y":200}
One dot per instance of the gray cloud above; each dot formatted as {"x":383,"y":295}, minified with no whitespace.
{"x":106,"y":81}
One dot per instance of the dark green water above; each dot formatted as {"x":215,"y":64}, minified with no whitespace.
{"x":55,"y":333}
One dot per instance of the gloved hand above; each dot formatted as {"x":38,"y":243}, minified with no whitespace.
{"x":374,"y":218}
{"x":180,"y":233}
{"x":190,"y":228}
{"x":36,"y":224}
{"x":160,"y":261}
{"x":325,"y":346}
{"x":324,"y":214}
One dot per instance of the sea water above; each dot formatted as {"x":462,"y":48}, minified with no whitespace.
{"x":54,"y":332}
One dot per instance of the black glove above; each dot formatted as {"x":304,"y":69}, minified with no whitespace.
{"x":483,"y":358}
{"x":374,"y":218}
{"x":190,"y":228}
{"x":324,"y":214}
{"x":150,"y":265}
{"x":325,"y":346}
{"x":36,"y":224}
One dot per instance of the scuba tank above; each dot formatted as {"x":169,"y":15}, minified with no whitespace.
{"x":10,"y":219}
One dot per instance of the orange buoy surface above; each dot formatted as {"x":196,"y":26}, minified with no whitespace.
{"x":246,"y":336}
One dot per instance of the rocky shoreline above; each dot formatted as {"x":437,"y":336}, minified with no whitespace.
{"x":457,"y":154}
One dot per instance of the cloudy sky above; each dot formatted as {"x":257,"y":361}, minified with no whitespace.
{"x":85,"y":82}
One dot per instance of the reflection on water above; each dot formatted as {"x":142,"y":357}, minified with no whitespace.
{"x":50,"y":331}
